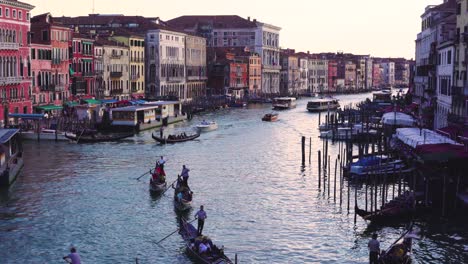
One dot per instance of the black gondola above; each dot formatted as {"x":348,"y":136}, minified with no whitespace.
{"x":169,"y":140}
{"x":192,"y":241}
{"x":95,"y":138}
{"x":400,"y":208}
{"x":400,"y":251}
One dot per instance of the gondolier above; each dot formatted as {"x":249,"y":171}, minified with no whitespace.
{"x":185,"y":175}
{"x":161,"y":163}
{"x":201,"y":216}
{"x":374,"y":250}
{"x":73,"y":257}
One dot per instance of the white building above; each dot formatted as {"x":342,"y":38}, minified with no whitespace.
{"x":235,"y":31}
{"x":388,"y":73}
{"x":165,"y":64}
{"x":115,"y":75}
{"x":445,"y":70}
{"x":318,"y":75}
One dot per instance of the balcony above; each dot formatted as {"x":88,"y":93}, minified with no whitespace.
{"x":135,"y":77}
{"x":116,"y":74}
{"x":88,"y":74}
{"x":10,"y":80}
{"x":59,"y":87}
{"x":9,"y":46}
{"x":139,"y":60}
{"x":175,"y":79}
{"x":115,"y":56}
{"x":48,"y":87}
{"x":116,"y":92}
{"x":56,"y":61}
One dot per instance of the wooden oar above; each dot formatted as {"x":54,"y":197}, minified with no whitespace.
{"x":143,"y":175}
{"x":170,"y":185}
{"x":172,"y":233}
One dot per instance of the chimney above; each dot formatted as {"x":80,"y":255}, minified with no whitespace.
{"x":248,"y":18}
{"x":255,"y":20}
{"x":308,"y":52}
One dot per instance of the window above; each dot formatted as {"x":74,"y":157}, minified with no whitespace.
{"x":28,"y":16}
{"x":20,"y":15}
{"x":449,"y":57}
{"x":14,"y":13}
{"x":7,"y":12}
{"x":1,"y":12}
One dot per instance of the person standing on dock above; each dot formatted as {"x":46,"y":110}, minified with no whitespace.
{"x":374,"y":250}
{"x":73,"y":257}
{"x":185,"y":175}
{"x":201,"y":216}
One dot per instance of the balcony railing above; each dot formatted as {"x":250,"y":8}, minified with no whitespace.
{"x":135,"y":77}
{"x":116,"y":92}
{"x":116,"y":74}
{"x":137,"y":60}
{"x":10,"y":80}
{"x":115,"y":56}
{"x":48,"y":87}
{"x":60,"y":87}
{"x":88,"y":74}
{"x":9,"y":46}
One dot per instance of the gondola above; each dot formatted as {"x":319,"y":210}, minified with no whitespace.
{"x":96,"y":138}
{"x":157,"y":187}
{"x":172,"y":141}
{"x":400,"y":208}
{"x":192,"y":240}
{"x":185,"y":203}
{"x":400,"y":251}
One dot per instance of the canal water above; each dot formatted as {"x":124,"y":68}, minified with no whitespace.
{"x":261,"y":204}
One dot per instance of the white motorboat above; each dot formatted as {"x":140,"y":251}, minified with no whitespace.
{"x":45,"y":134}
{"x":284,"y":103}
{"x":323,"y":104}
{"x":207,"y":126}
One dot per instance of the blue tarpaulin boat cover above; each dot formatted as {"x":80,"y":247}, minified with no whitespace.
{"x":27,"y":116}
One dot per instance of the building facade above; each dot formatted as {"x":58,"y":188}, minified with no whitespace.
{"x":45,"y":31}
{"x":332,"y":76}
{"x":255,"y":76}
{"x":235,"y":32}
{"x":388,"y":77}
{"x":165,"y":64}
{"x":445,"y":70}
{"x":459,"y":113}
{"x":195,"y":64}
{"x":116,"y":74}
{"x":319,"y":75}
{"x":82,"y":77}
{"x":15,"y":61}
{"x":43,"y":89}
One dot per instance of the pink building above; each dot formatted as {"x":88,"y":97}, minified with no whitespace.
{"x":14,"y":58}
{"x":45,"y":31}
{"x":332,"y":75}
{"x":43,"y":90}
{"x":376,"y":76}
{"x":82,"y":75}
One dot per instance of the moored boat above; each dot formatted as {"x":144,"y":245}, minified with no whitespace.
{"x":400,"y":208}
{"x":323,"y":104}
{"x":192,"y":243}
{"x":207,"y":126}
{"x":284,"y":103}
{"x":175,"y":139}
{"x":96,"y":138}
{"x":11,"y":156}
{"x":400,"y":251}
{"x":272,"y":117}
{"x":375,"y":165}
{"x":45,"y":134}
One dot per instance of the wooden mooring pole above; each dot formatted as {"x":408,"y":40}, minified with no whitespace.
{"x":319,"y":169}
{"x":303,"y":150}
{"x":334,"y":185}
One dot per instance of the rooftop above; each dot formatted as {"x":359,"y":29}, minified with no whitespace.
{"x":217,"y":22}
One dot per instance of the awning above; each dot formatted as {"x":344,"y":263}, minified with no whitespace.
{"x":87,"y":42}
{"x":27,"y":116}
{"x":72,"y":72}
{"x":109,"y":101}
{"x":87,"y":60}
{"x":441,"y":152}
{"x":49,"y":107}
{"x":93,"y":101}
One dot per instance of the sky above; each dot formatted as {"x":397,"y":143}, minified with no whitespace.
{"x":381,"y":28}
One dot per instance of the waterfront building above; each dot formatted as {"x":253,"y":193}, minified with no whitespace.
{"x":235,"y":31}
{"x":195,"y":64}
{"x":445,"y":70}
{"x":350,"y":76}
{"x":388,"y":70}
{"x":99,"y":70}
{"x":360,"y":63}
{"x":136,"y":44}
{"x":425,"y":80}
{"x":318,"y":74}
{"x":401,"y":72}
{"x":42,"y":87}
{"x":377,"y":72}
{"x":255,"y":75}
{"x":50,"y":38}
{"x":165,"y":64}
{"x":228,"y":73}
{"x":303,"y":60}
{"x":459,"y":113}
{"x":289,"y":72}
{"x":369,"y":73}
{"x":15,"y":60}
{"x":82,"y":76}
{"x":115,"y":76}
{"x":332,"y":75}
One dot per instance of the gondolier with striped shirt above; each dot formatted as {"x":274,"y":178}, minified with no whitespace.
{"x":201,"y":216}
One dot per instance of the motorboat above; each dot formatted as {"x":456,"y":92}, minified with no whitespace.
{"x":323,"y":104}
{"x":284,"y":103}
{"x":207,"y":126}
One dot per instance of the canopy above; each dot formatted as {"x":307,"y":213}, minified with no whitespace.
{"x":92,"y":101}
{"x":49,"y":107}
{"x":398,"y":119}
{"x":414,"y":137}
{"x":109,"y":101}
{"x":138,"y":102}
{"x":27,"y":116}
{"x":441,"y":152}
{"x":71,"y":103}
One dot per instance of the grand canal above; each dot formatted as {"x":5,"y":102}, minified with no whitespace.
{"x":261,"y":203}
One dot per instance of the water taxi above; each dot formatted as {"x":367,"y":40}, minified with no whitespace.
{"x":284,"y":103}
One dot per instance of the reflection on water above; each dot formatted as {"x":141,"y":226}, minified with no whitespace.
{"x":261,"y":203}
